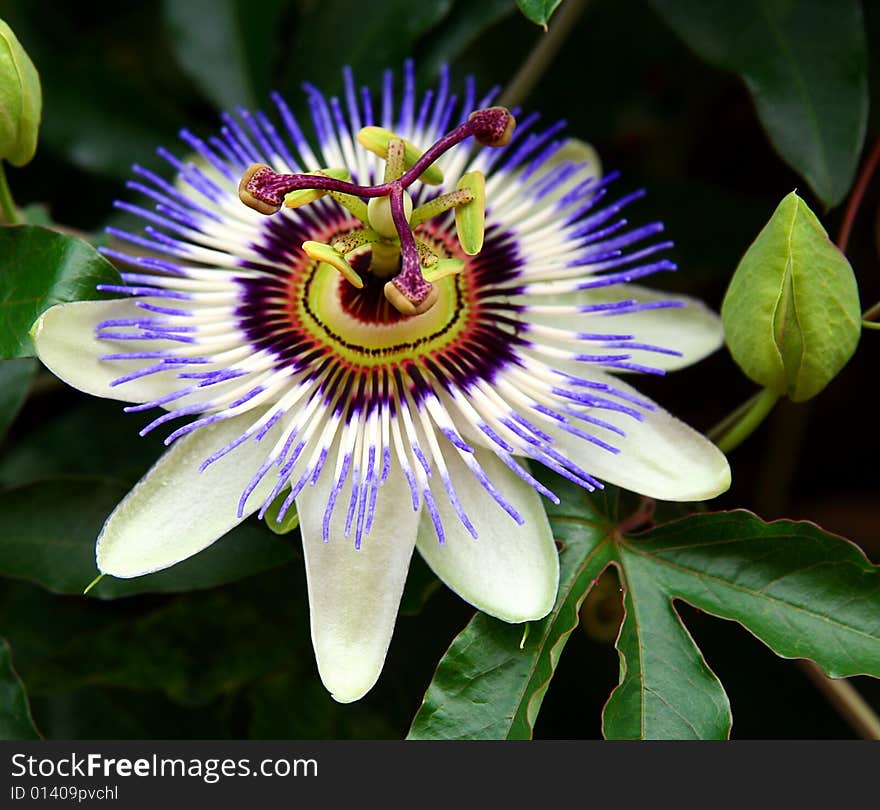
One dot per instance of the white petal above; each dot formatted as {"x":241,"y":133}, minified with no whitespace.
{"x":509,"y":571}
{"x":175,"y":511}
{"x":354,"y":593}
{"x":692,"y":329}
{"x":64,"y":338}
{"x":660,"y":457}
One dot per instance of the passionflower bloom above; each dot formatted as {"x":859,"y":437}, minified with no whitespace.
{"x":428,"y":299}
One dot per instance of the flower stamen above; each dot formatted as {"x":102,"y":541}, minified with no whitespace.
{"x":389,"y":213}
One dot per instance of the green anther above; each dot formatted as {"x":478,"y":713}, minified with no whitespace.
{"x":443,"y":268}
{"x":470,"y":218}
{"x":439,"y":205}
{"x":325,"y":253}
{"x":351,"y":241}
{"x":296,"y":199}
{"x":427,"y":257}
{"x":395,"y":164}
{"x":353,"y":204}
{"x":377,"y":139}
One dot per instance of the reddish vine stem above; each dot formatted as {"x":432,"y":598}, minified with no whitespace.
{"x":855,"y":200}
{"x":840,"y":693}
{"x":639,"y":519}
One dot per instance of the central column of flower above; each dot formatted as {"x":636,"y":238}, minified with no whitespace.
{"x":386,"y":244}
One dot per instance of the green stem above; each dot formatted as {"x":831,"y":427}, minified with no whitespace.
{"x":7,"y":205}
{"x":846,"y":699}
{"x":734,"y":429}
{"x":719,"y":429}
{"x":542,"y":54}
{"x":785,"y":435}
{"x":872,"y":313}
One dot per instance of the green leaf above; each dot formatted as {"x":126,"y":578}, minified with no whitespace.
{"x":373,"y":42}
{"x":805,"y":65}
{"x":804,"y":592}
{"x":193,"y":649}
{"x":313,"y":714}
{"x":39,"y":268}
{"x":538,"y":11}
{"x":228,"y":49}
{"x":792,"y":317}
{"x":15,"y":380}
{"x":71,"y":444}
{"x":15,"y":714}
{"x":37,"y":214}
{"x":48,"y":532}
{"x":666,"y":690}
{"x":112,"y":90}
{"x":465,"y":24}
{"x":103,"y":713}
{"x":489,"y":685}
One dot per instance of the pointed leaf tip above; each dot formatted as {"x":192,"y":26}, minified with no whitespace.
{"x":538,"y":11}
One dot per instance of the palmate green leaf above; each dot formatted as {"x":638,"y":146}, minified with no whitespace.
{"x":15,"y":379}
{"x":228,"y":49}
{"x":792,"y":317}
{"x":805,"y":65}
{"x":538,"y":11}
{"x":666,"y":690}
{"x":490,"y":683}
{"x":16,"y":722}
{"x":802,"y":591}
{"x":39,"y":268}
{"x":48,"y":531}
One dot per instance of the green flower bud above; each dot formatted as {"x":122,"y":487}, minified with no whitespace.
{"x":791,"y":314}
{"x":21,"y":100}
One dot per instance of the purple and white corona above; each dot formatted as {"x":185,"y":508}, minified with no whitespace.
{"x":430,"y":299}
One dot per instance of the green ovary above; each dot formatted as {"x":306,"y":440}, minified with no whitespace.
{"x":364,"y":330}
